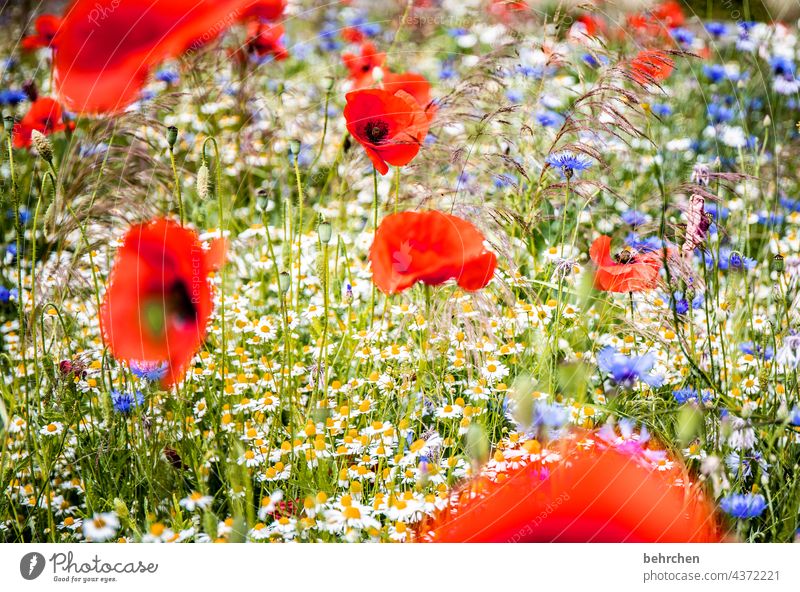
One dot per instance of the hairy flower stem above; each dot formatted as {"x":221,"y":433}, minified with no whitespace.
{"x":299,"y":225}
{"x":34,"y":336}
{"x":18,"y":231}
{"x":220,"y":206}
{"x":178,"y":196}
{"x":375,"y":229}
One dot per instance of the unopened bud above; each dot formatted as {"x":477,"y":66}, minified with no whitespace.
{"x":8,"y":123}
{"x":325,"y":231}
{"x":203,"y":182}
{"x":172,"y":135}
{"x":284,"y":281}
{"x":778,"y":264}
{"x":43,"y":146}
{"x":294,"y":147}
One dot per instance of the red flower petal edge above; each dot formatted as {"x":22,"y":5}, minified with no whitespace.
{"x":430,"y":247}
{"x":579,"y":489}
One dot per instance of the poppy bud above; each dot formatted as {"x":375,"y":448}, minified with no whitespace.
{"x":294,"y":147}
{"x":330,"y":81}
{"x":8,"y":123}
{"x":43,"y":146}
{"x":284,"y":281}
{"x":29,"y":88}
{"x":172,"y":135}
{"x":202,"y":182}
{"x":325,"y":231}
{"x":778,"y":263}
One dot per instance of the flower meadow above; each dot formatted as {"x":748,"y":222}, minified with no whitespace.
{"x":398,"y":271}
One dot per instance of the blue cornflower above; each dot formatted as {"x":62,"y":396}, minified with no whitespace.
{"x":5,"y":294}
{"x":794,"y":416}
{"x":715,"y":72}
{"x":729,"y":260}
{"x":643,"y":245}
{"x":743,"y":505}
{"x":168,"y":76}
{"x":548,"y":118}
{"x":682,"y":36}
{"x":634,"y":218}
{"x":514,"y":95}
{"x":594,"y":61}
{"x":626,"y":370}
{"x":549,"y":415}
{"x":748,"y":347}
{"x":151,"y":371}
{"x":690,"y":395}
{"x":717,"y":211}
{"x":124,"y":403}
{"x":680,"y":303}
{"x":12,"y":97}
{"x":568,"y":163}
{"x":716,"y":30}
{"x":718,"y":113}
{"x":328,"y":38}
{"x":782,"y":66}
{"x":737,"y":462}
{"x":661,"y":109}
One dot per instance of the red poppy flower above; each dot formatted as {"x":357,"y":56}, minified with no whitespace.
{"x":46,"y":26}
{"x":352,"y":35}
{"x":670,"y":14}
{"x":651,"y":66}
{"x":390,"y":127}
{"x":592,"y":24}
{"x":361,"y":66}
{"x":631,"y":272}
{"x":414,"y":84}
{"x":264,"y":40}
{"x":429,"y":247}
{"x":505,"y":9}
{"x":158,"y":301}
{"x":43,"y":116}
{"x":102,"y":57}
{"x":583,"y":489}
{"x":269,"y":10}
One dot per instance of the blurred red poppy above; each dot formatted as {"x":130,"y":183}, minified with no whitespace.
{"x":651,"y":66}
{"x":264,"y":39}
{"x":631,"y":272}
{"x":269,"y":10}
{"x":592,"y":24}
{"x":669,"y":13}
{"x":360,"y":66}
{"x":430,"y":247}
{"x":390,"y":127}
{"x":46,"y":26}
{"x":102,"y":56}
{"x":414,"y":84}
{"x":43,"y":116}
{"x":352,"y":35}
{"x":505,"y":9}
{"x":579,"y":489}
{"x":658,"y":21}
{"x":159,"y":299}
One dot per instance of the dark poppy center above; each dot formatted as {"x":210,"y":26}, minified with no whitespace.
{"x":176,"y":308}
{"x":376,"y":131}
